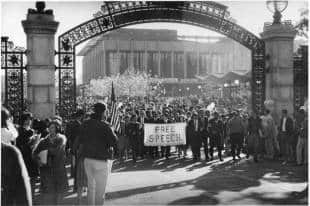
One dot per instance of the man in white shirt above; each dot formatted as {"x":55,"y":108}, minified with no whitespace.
{"x":8,"y":130}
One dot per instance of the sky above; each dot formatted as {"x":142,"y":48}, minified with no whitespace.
{"x":249,"y":14}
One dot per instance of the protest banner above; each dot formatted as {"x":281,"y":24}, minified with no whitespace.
{"x":170,"y":134}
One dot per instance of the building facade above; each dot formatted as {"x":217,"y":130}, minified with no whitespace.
{"x":161,"y":53}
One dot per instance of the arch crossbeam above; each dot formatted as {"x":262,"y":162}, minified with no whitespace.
{"x":114,"y":15}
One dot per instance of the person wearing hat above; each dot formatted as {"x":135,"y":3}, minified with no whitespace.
{"x":97,"y":138}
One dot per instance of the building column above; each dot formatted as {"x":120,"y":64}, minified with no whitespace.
{"x":198,"y":64}
{"x":279,"y":42}
{"x":40,"y":28}
{"x":104,"y":54}
{"x":145,"y":61}
{"x":172,"y":64}
{"x":185,"y":65}
{"x":159,"y":62}
{"x":131,"y":64}
{"x":219,"y":65}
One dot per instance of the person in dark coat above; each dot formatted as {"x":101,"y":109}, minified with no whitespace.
{"x":141,"y":121}
{"x":97,"y":139}
{"x":133,"y":130}
{"x":253,"y":139}
{"x":195,"y":136}
{"x":216,"y":129}
{"x":26,"y":142}
{"x":72,"y":131}
{"x":286,"y":132}
{"x":15,"y":185}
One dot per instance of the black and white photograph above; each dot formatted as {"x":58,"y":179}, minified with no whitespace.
{"x":154,"y":102}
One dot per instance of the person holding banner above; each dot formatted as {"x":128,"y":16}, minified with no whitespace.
{"x":165,"y":150}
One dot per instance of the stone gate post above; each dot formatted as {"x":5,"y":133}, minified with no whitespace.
{"x":279,"y":41}
{"x":40,"y":28}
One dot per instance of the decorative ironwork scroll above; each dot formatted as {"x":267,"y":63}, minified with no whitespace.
{"x":300,"y":66}
{"x":117,"y":14}
{"x":14,"y":66}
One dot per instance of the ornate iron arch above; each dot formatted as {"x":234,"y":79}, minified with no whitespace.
{"x":114,"y":15}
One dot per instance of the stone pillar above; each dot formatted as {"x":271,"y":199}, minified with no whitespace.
{"x":197,"y":71}
{"x":159,"y":62}
{"x":40,"y":28}
{"x":185,"y":65}
{"x":279,"y":40}
{"x":172,"y":64}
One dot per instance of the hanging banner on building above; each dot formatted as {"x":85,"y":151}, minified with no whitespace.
{"x":170,"y":134}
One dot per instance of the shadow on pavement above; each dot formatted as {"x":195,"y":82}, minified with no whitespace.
{"x":230,"y":177}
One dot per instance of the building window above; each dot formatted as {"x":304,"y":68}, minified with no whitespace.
{"x":179,"y":65}
{"x":191,"y":65}
{"x":138,"y":60}
{"x":152,"y":63}
{"x":165,"y":64}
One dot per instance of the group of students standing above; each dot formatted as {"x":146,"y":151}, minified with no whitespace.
{"x":89,"y":141}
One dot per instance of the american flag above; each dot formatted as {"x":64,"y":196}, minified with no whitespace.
{"x":115,"y":117}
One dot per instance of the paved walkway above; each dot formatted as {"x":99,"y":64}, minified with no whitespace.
{"x":182,"y":181}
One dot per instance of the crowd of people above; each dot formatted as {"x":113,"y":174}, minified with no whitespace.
{"x":41,"y":149}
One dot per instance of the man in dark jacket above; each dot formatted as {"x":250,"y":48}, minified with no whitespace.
{"x":286,"y":131}
{"x":97,"y":138}
{"x":72,"y":131}
{"x":195,"y":136}
{"x":216,"y":130}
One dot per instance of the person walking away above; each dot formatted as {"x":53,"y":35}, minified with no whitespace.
{"x":253,"y":136}
{"x":216,"y":129}
{"x":96,"y":139}
{"x":80,"y":182}
{"x":72,"y":131}
{"x":302,"y":144}
{"x":15,"y":185}
{"x":286,"y":131}
{"x":26,"y":141}
{"x":53,"y":175}
{"x":235,"y":131}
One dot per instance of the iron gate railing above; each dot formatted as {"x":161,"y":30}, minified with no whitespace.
{"x":300,"y":77}
{"x":13,"y":63}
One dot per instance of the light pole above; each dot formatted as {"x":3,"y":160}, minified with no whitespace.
{"x":276,"y":7}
